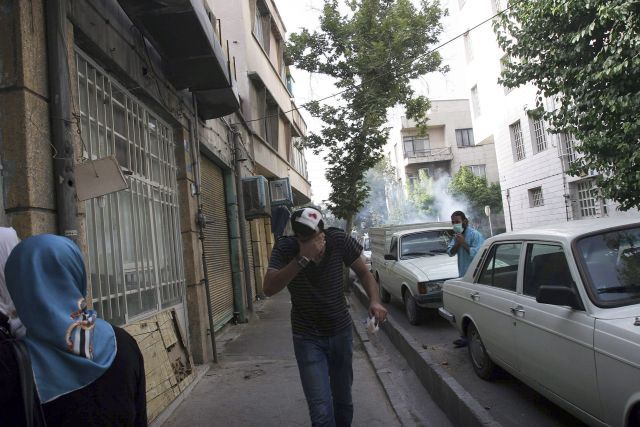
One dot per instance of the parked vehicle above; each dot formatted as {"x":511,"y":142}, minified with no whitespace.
{"x":366,"y":255}
{"x":411,"y":263}
{"x":559,"y":308}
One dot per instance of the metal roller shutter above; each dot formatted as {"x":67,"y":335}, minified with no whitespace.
{"x":216,"y":242}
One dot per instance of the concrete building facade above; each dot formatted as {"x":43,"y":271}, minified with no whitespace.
{"x":532,"y":162}
{"x":448,"y":145}
{"x":172,"y":257}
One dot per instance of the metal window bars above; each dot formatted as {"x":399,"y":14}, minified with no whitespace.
{"x":134,"y":244}
{"x":517,"y":140}
{"x":540,"y":135}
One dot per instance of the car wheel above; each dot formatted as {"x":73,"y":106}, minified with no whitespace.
{"x":384,"y":295}
{"x":411,"y":308}
{"x":482,"y":363}
{"x":634,"y":417}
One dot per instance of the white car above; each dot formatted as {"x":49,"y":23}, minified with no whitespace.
{"x":414,"y":268}
{"x":559,"y":308}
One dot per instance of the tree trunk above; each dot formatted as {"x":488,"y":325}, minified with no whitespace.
{"x":346,"y":282}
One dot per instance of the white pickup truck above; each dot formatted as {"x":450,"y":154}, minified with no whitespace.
{"x":410,"y":262}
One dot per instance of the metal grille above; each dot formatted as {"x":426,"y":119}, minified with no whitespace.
{"x":517,"y":141}
{"x":568,"y":147}
{"x":540,"y":135}
{"x":535,"y":197}
{"x":588,"y":199}
{"x":135,"y":250}
{"x":216,"y":242}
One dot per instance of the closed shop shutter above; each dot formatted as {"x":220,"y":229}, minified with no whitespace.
{"x":216,"y":243}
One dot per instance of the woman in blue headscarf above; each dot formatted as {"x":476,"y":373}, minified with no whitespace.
{"x":87,"y":372}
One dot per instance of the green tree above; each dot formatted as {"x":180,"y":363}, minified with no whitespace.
{"x":476,"y":191}
{"x":372,"y":51}
{"x":585,"y":54}
{"x":421,"y":194}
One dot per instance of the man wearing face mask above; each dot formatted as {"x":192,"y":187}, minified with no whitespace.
{"x":465,"y":244}
{"x":310,"y":265}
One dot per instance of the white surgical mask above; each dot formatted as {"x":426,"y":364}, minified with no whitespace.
{"x":457,"y":228}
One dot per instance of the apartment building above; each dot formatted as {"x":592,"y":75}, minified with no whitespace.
{"x":448,"y":145}
{"x":155,"y":90}
{"x":532,"y":162}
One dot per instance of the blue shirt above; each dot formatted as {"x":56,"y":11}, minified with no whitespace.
{"x":474,"y":239}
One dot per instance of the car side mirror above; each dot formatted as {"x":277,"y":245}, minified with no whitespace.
{"x":559,"y":295}
{"x":390,"y":257}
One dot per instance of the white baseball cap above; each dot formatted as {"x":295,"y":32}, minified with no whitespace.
{"x":309,"y":217}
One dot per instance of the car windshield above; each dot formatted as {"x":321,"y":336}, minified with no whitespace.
{"x":612,"y":261}
{"x":425,"y":243}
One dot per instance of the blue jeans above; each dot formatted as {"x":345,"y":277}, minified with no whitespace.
{"x":326,"y":374}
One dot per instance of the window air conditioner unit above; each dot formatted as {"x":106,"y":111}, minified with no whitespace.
{"x":255,"y":191}
{"x":281,"y":193}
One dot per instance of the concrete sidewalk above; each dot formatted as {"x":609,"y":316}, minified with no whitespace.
{"x":256,"y":382}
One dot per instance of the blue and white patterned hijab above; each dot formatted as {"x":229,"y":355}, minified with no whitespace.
{"x":69,"y":346}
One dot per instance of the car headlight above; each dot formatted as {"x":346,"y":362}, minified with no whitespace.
{"x":430,"y":286}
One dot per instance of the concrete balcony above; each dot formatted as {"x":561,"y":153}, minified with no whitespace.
{"x":431,"y":155}
{"x":182,"y":32}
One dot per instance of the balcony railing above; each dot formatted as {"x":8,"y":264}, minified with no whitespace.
{"x":428,"y":155}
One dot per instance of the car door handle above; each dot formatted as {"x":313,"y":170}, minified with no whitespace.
{"x":475,"y":296}
{"x":517,"y":310}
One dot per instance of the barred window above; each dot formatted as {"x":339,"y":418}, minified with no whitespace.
{"x":464,"y":137}
{"x":588,"y":201}
{"x":568,"y":145}
{"x":539,"y":135}
{"x":535,"y":197}
{"x":517,"y":141}
{"x":134,"y":261}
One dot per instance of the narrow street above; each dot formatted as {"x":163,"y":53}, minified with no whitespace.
{"x":508,"y":400}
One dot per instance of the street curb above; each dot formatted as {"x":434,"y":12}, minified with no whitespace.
{"x":384,"y":376}
{"x":459,"y":406}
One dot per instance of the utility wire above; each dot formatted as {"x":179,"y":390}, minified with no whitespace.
{"x":451,"y":40}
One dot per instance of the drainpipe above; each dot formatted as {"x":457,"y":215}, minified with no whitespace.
{"x":509,"y":206}
{"x":202,"y":223}
{"x":61,"y":122}
{"x":241,"y":219}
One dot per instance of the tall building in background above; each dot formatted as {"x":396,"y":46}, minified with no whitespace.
{"x":532,"y":163}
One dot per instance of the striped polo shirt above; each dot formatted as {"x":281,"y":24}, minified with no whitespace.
{"x":318,"y":305}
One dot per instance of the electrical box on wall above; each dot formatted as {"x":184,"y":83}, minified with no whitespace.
{"x":257,"y":203}
{"x":281,"y":193}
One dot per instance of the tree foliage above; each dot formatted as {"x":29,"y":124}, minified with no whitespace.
{"x":373,"y":50}
{"x":476,"y":191}
{"x":421,"y":194}
{"x":585,"y":54}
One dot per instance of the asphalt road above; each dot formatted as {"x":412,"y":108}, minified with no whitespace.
{"x":511,"y":402}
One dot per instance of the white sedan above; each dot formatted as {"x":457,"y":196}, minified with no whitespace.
{"x":559,"y":308}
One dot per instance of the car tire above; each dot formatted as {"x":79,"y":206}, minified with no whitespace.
{"x":482,"y":363}
{"x":411,"y":308}
{"x":384,"y":295}
{"x":634,"y":417}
